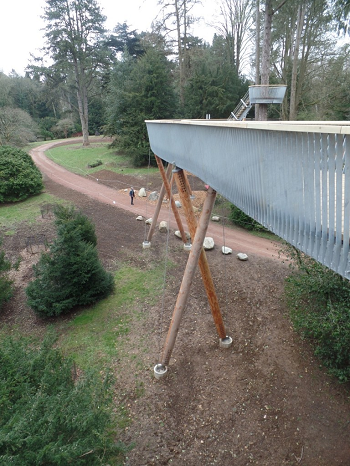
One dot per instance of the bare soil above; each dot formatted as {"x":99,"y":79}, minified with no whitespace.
{"x":263,"y":401}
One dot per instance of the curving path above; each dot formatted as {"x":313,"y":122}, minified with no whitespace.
{"x":235,"y":238}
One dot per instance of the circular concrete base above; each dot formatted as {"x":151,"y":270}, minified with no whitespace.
{"x":187,"y":246}
{"x":159,"y":371}
{"x":146,"y":244}
{"x":225,"y":342}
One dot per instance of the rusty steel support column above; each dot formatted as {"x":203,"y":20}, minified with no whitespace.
{"x":159,"y":203}
{"x":197,"y":254}
{"x":171,"y":199}
{"x":188,"y":184}
{"x":183,"y":295}
{"x":203,"y":262}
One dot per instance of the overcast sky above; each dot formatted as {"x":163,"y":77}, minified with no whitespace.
{"x":21,"y":34}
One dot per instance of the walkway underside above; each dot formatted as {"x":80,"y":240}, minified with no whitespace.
{"x":292,"y":177}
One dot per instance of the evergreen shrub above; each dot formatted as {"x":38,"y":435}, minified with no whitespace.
{"x":19,"y":176}
{"x":70,"y":274}
{"x":49,"y":416}
{"x":238,"y":217}
{"x":319,"y":302}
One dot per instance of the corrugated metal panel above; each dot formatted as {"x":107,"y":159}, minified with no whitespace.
{"x":292,"y":178}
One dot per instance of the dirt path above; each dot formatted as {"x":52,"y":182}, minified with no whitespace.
{"x":238,"y":240}
{"x":265,"y":401}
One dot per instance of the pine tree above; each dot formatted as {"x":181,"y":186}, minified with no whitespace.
{"x":70,"y":274}
{"x":140,"y":90}
{"x":48,"y":416}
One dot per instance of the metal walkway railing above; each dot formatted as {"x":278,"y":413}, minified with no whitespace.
{"x":292,"y":177}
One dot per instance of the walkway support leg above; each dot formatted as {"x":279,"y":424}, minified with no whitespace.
{"x":188,"y":184}
{"x":181,"y":184}
{"x":197,"y":254}
{"x":171,"y":199}
{"x":159,"y":203}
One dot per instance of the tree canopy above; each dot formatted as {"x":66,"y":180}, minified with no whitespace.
{"x":97,"y":80}
{"x":74,"y":35}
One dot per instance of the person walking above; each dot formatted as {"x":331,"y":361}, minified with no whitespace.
{"x":132,"y":195}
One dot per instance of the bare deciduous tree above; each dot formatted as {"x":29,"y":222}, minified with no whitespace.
{"x":236,"y":21}
{"x":175,"y":17}
{"x":17,"y":128}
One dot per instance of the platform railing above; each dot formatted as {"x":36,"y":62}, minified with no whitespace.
{"x":293,"y":178}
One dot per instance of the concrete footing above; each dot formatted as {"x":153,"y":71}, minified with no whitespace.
{"x":225,"y":342}
{"x":159,"y":371}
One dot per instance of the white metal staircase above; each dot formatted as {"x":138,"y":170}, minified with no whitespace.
{"x":242,"y":109}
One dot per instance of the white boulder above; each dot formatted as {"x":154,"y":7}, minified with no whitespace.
{"x":242,"y":257}
{"x":153,"y":196}
{"x":142,"y":192}
{"x":208,"y":243}
{"x":163,"y":226}
{"x":178,"y":234}
{"x":149,"y":221}
{"x":226,"y":250}
{"x":215,"y":218}
{"x":139,"y":217}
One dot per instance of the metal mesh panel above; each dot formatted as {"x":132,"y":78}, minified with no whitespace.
{"x":296,"y":183}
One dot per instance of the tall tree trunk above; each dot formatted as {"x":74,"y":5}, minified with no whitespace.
{"x":293,"y":87}
{"x":257,"y":53}
{"x":180,"y":51}
{"x":82,"y":97}
{"x":84,"y":118}
{"x":83,"y":113}
{"x":266,"y":53}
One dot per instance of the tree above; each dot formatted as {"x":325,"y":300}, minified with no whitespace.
{"x":74,"y":35}
{"x":341,"y":11}
{"x":70,"y":274}
{"x":19,"y":176}
{"x":215,"y":86}
{"x":64,"y":126}
{"x":6,"y":99}
{"x":176,"y":17}
{"x":139,"y":90}
{"x":17,"y":128}
{"x":320,"y":100}
{"x":301,"y":40}
{"x":271,"y":7}
{"x":49,"y":416}
{"x":235,"y":25}
{"x":26,"y":94}
{"x":125,"y":40}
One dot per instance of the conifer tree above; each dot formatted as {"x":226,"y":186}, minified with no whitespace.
{"x":70,"y":274}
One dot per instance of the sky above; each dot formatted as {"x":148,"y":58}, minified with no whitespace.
{"x":21,"y":26}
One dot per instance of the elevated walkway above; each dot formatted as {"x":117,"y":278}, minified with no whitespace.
{"x":292,"y":177}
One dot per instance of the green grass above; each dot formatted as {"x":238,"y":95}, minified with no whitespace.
{"x":25,"y":211}
{"x":76,"y":159}
{"x":99,"y":335}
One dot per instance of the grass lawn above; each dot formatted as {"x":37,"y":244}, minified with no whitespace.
{"x":25,"y":211}
{"x":77,"y":159}
{"x":97,"y":336}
